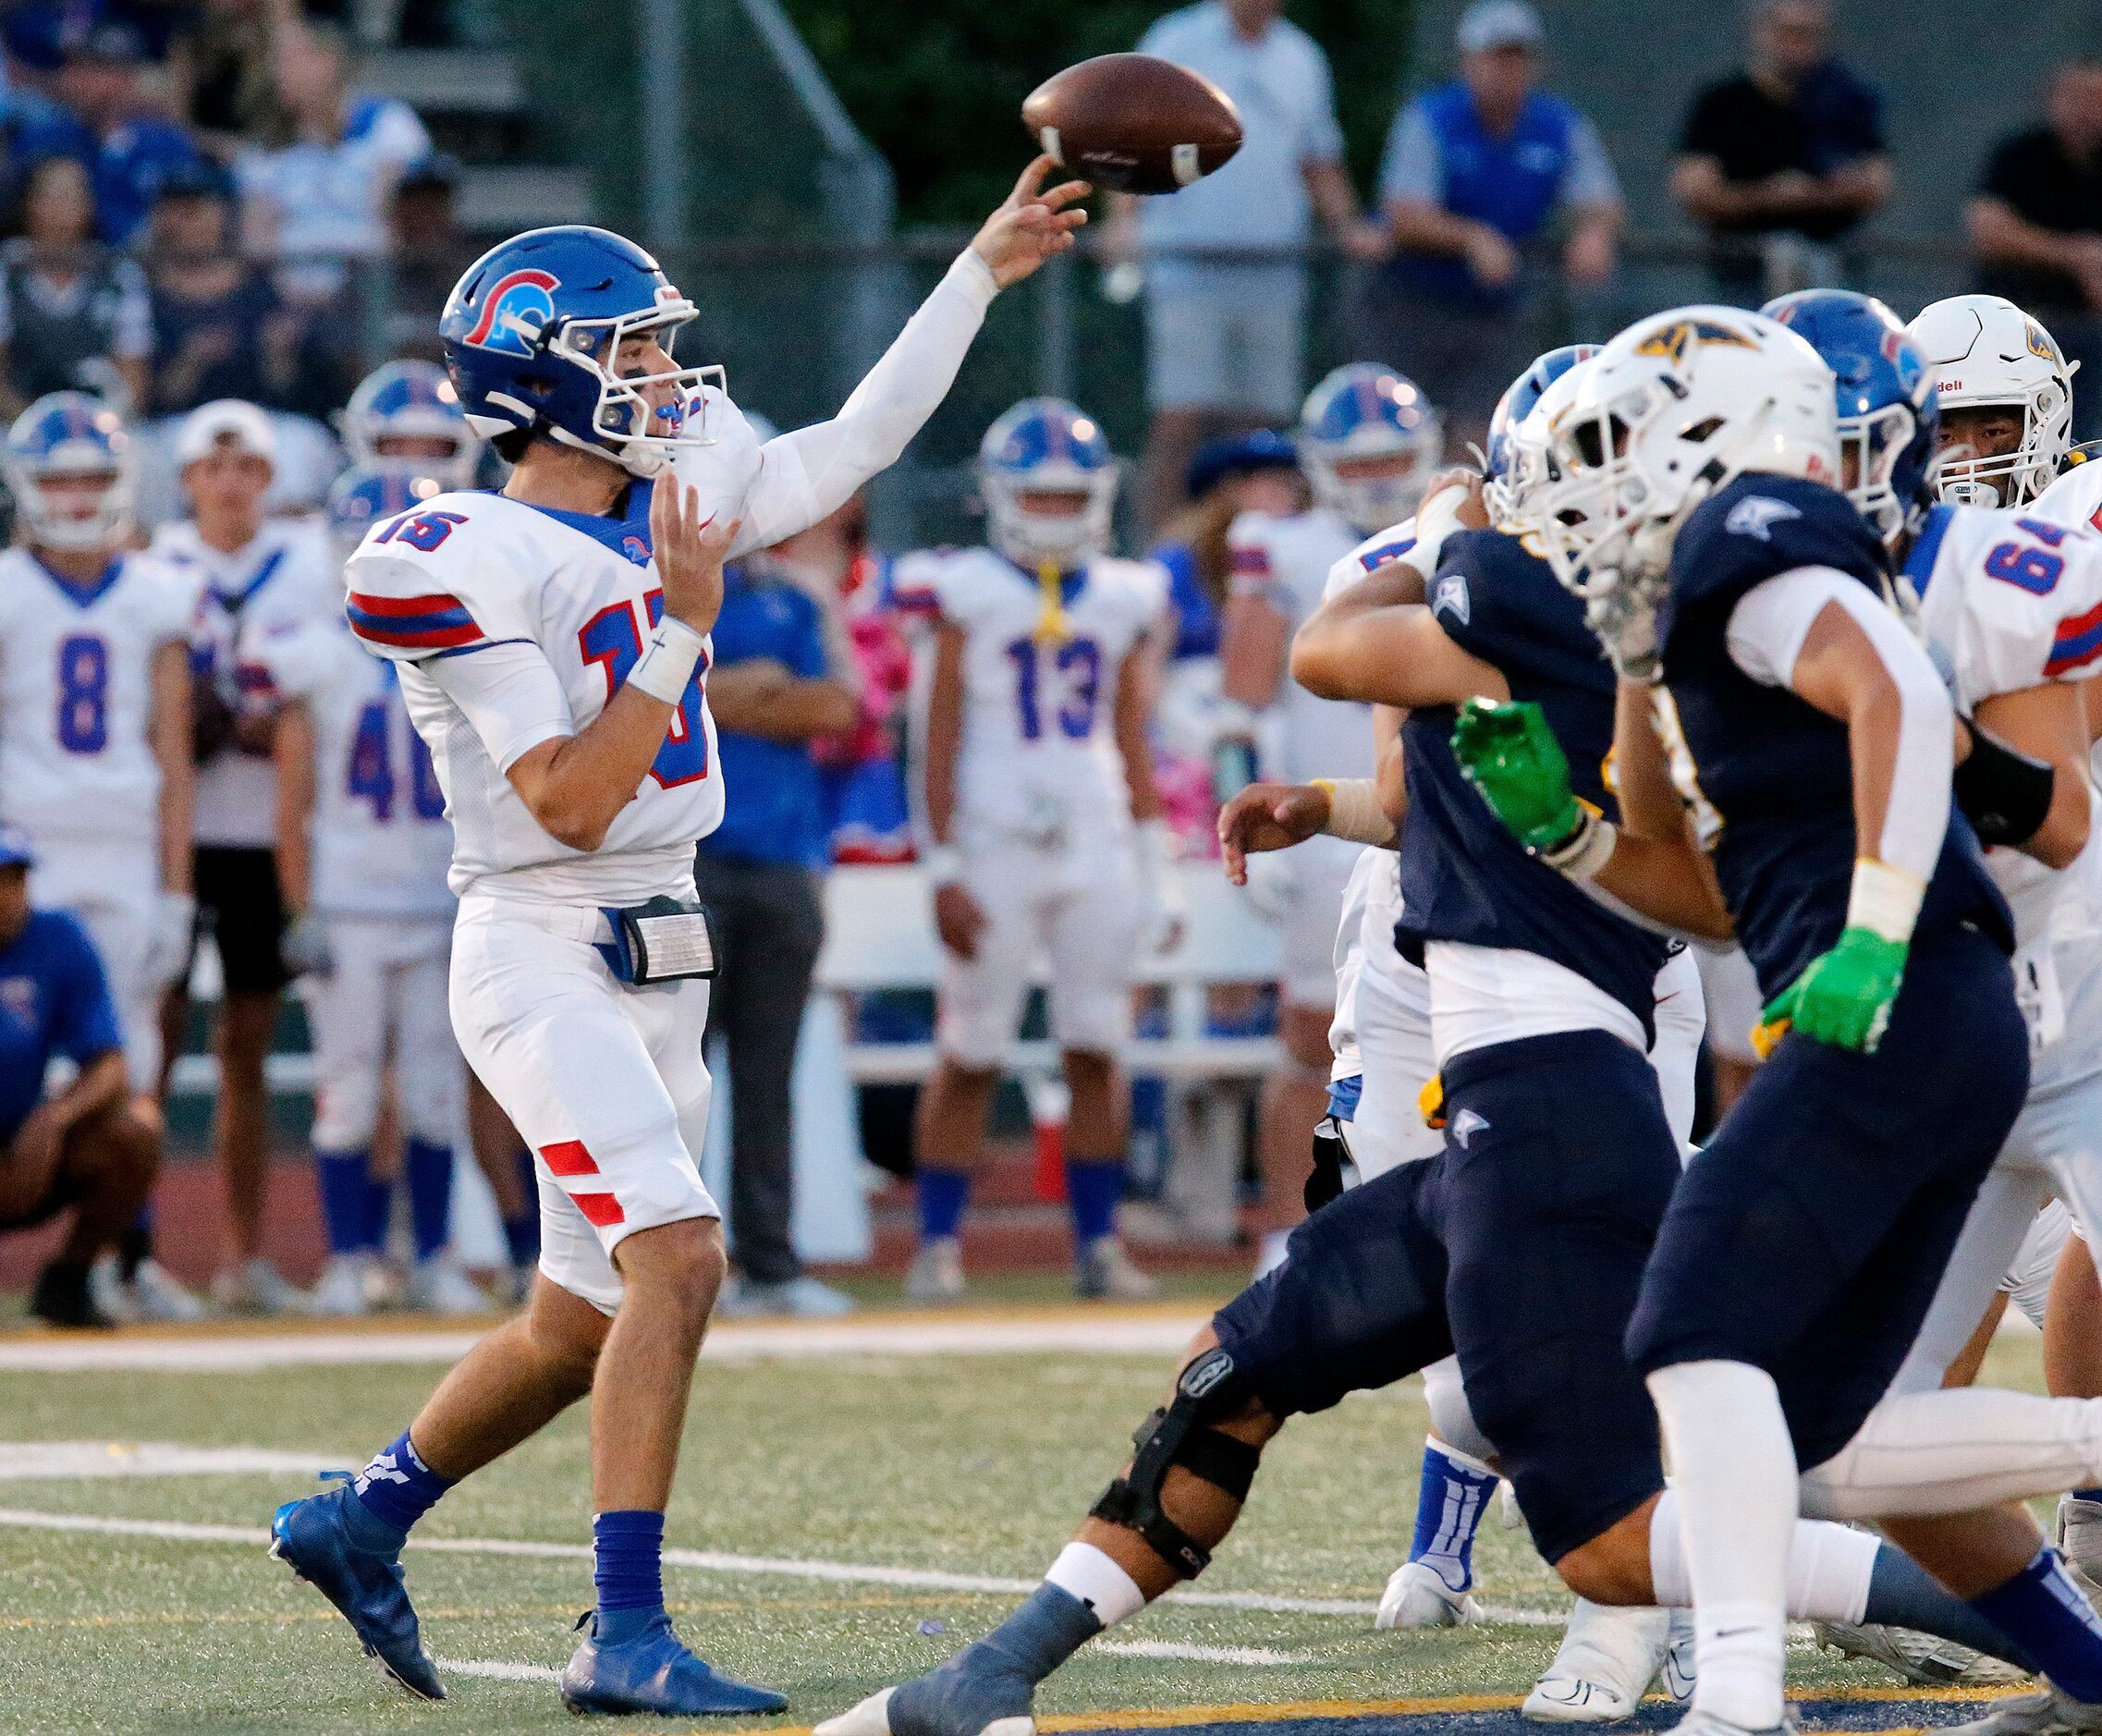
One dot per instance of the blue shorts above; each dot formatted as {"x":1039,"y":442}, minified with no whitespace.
{"x":1808,"y":1237}
{"x":1520,"y":1246}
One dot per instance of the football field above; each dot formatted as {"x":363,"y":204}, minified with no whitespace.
{"x":855,"y":1501}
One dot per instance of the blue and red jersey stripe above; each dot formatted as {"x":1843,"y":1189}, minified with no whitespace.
{"x":2078,"y":641}
{"x":437,"y":622}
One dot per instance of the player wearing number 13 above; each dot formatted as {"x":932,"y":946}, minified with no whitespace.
{"x":551,"y":642}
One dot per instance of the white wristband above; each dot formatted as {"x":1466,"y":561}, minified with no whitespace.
{"x":1438,"y":520}
{"x":1354,"y":811}
{"x":943,"y":863}
{"x":1586,"y":850}
{"x":669,"y":657}
{"x":1884,"y":899}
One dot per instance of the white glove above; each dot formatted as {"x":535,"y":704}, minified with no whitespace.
{"x":304,"y":950}
{"x":1160,"y":887}
{"x":167,"y":947}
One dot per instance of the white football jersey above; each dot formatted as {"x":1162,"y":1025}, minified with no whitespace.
{"x":1287,"y":561}
{"x":2010,"y":601}
{"x":467,"y":571}
{"x":381,"y":844}
{"x":75,"y":698}
{"x":281,"y":580}
{"x":1039,"y":755}
{"x":2075,"y":499}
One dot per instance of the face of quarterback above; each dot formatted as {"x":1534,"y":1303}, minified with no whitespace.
{"x":644,"y":354}
{"x":1981,"y":431}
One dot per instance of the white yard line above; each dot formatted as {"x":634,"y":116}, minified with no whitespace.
{"x":1260,"y":1657}
{"x":22,"y":1461}
{"x":497,"y":1671}
{"x":1075,"y":1331}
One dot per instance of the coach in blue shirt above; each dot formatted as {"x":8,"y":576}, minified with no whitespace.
{"x":1475,"y":171}
{"x":84,"y":1146}
{"x":771,"y":688}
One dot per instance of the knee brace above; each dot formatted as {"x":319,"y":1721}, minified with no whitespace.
{"x":1182,"y":1435}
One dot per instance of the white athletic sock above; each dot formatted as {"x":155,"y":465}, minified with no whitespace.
{"x":1733,"y":1471}
{"x":1948,"y":1453}
{"x":1828,"y":1565}
{"x":1096,"y":1579}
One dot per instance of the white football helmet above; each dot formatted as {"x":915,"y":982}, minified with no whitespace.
{"x":79,"y":442}
{"x":1528,"y":458}
{"x":1985,"y":350}
{"x":1670,"y":411}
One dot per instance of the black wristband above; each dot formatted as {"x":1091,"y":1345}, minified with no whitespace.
{"x":2003,"y":792}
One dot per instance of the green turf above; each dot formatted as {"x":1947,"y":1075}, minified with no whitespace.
{"x":975,"y":1465}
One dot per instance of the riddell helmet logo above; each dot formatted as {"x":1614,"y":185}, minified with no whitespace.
{"x":516,"y":310}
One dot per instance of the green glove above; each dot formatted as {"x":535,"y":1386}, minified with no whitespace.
{"x":1511,"y":755}
{"x":1843,"y":996}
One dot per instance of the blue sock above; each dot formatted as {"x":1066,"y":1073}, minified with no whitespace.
{"x":2088,"y":1495}
{"x":627,"y":1568}
{"x":379,"y":1211}
{"x":341,"y":1179}
{"x":1093,"y":1187}
{"x":428,"y":1169}
{"x":2042,"y":1610}
{"x":1450,"y":1502}
{"x":1902,"y":1594}
{"x":398,"y":1489}
{"x":943,"y":1194}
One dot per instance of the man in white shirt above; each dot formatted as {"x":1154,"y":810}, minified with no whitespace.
{"x":1225,"y":347}
{"x":250,"y":575}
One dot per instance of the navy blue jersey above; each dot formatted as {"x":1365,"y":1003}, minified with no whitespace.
{"x":1776,"y":769}
{"x":1464,"y":877}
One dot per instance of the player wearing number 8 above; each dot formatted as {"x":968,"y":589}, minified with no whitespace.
{"x":94,"y":708}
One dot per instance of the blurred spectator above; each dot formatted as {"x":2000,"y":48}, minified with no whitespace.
{"x":773,"y":687}
{"x":222,"y":67}
{"x":2036,"y":226}
{"x":108,"y":125}
{"x":219,"y":327}
{"x":1782,"y":159}
{"x":1256,"y":472}
{"x":1473,"y":172}
{"x":83,"y":1146}
{"x":72,"y":314}
{"x":429,"y":252}
{"x":39,"y":34}
{"x":1224,"y":336}
{"x":315,"y":194}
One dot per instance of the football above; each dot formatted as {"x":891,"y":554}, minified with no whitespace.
{"x":1133,"y":123}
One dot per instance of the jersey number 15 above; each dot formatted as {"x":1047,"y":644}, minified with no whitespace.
{"x":614,"y":638}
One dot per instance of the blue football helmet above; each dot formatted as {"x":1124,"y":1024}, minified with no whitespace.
{"x":1044,"y":446}
{"x":1367,"y":411}
{"x":410,"y":401}
{"x":1888,"y":420}
{"x":531,"y":335}
{"x":365,"y":494}
{"x":1512,"y":463}
{"x":63,"y":437}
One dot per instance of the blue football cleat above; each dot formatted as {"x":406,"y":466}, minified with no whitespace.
{"x":315,"y":1537}
{"x":655,"y":1672}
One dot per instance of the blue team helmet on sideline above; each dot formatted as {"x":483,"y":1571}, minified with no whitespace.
{"x":1044,"y":446}
{"x":365,"y":494}
{"x":531,"y":332}
{"x":411,"y":400}
{"x":1366,"y":411}
{"x":1889,"y":421}
{"x":72,"y":437}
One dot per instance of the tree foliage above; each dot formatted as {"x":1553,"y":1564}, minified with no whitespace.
{"x":937,"y":84}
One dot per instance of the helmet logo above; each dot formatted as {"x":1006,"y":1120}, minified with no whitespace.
{"x":1675,"y":340}
{"x":2039,"y":343}
{"x":516,"y":312}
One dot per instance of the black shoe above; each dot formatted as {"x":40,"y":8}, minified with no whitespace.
{"x":61,"y":1299}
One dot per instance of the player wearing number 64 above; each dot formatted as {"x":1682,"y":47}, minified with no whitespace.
{"x":552,"y":643}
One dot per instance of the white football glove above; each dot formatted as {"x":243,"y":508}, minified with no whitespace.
{"x":304,"y":948}
{"x":1166,"y":911}
{"x":167,"y":945}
